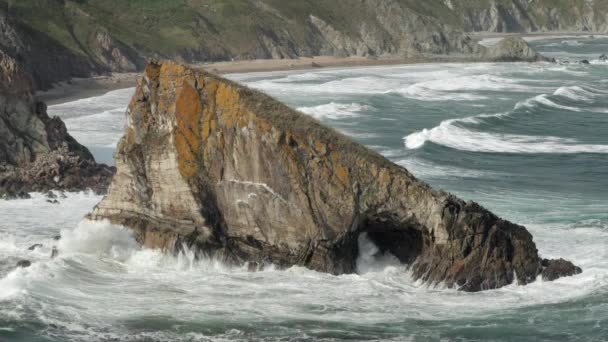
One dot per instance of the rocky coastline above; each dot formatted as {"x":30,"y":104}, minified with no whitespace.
{"x":236,"y":175}
{"x":37,"y":154}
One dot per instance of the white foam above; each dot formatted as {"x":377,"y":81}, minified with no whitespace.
{"x":450,"y":135}
{"x":100,"y":238}
{"x":371,"y":259}
{"x":574,"y":93}
{"x":335,"y":111}
{"x":543,"y":99}
{"x":98,"y":120}
{"x":461,"y":88}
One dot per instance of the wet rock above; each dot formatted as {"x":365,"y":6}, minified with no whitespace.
{"x":36,"y":152}
{"x":54,"y":201}
{"x":24,"y":263}
{"x":584,"y":61}
{"x":11,"y":195}
{"x":34,"y":246}
{"x":50,"y":195}
{"x":54,"y":252}
{"x":604,"y":58}
{"x":557,"y":268}
{"x":57,"y":237}
{"x":261,"y":183}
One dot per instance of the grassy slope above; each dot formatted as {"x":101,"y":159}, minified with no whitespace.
{"x":166,"y":27}
{"x":220,"y":28}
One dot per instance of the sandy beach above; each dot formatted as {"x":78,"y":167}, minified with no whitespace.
{"x":87,"y":87}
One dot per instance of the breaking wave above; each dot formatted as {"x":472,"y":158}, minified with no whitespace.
{"x":335,"y":110}
{"x":461,"y":88}
{"x":452,"y":134}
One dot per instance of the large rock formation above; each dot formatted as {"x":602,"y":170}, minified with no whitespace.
{"x":36,"y":151}
{"x":237,"y":175}
{"x":513,"y":49}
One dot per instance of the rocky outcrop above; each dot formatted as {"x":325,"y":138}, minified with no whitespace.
{"x":238,"y":176}
{"x":513,"y":49}
{"x":36,"y":151}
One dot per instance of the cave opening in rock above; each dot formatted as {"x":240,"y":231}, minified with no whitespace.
{"x":383,"y":243}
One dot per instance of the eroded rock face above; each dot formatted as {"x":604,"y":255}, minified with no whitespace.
{"x":239,"y":176}
{"x":36,"y":151}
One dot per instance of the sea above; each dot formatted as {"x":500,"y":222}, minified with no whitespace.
{"x":527,"y":141}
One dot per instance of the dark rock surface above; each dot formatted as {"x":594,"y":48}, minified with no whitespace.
{"x":239,"y":176}
{"x":553,"y":269}
{"x":36,"y":151}
{"x":24,"y":263}
{"x":34,"y":246}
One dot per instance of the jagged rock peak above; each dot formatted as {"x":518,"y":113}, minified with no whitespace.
{"x":239,"y":176}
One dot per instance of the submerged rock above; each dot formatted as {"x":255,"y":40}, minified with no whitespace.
{"x":24,"y":263}
{"x":603,"y":58}
{"x":239,"y":176}
{"x":553,"y":269}
{"x":584,"y":61}
{"x":514,"y":49}
{"x":35,"y":246}
{"x":54,"y":252}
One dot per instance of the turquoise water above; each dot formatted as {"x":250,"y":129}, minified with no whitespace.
{"x":528,"y":141}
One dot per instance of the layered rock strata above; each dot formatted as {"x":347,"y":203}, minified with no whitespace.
{"x":212,"y":165}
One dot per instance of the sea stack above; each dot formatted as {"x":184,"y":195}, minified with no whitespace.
{"x":231,"y":172}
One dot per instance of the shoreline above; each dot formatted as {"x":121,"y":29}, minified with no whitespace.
{"x":80,"y":88}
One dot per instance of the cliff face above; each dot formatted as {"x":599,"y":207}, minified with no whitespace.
{"x":239,"y":176}
{"x":36,"y":151}
{"x":60,"y":39}
{"x":532,"y":15}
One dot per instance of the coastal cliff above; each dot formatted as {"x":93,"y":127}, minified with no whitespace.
{"x":211,"y":165}
{"x":531,"y":15}
{"x":61,"y":39}
{"x":36,"y":151}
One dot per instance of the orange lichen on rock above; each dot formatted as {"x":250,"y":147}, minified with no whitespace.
{"x":342,"y":174}
{"x":188,"y":111}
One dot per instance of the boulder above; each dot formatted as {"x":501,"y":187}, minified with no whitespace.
{"x":553,"y":269}
{"x":24,"y":263}
{"x":584,"y":61}
{"x":603,"y":58}
{"x":513,"y":49}
{"x":35,"y":246}
{"x":238,"y":176}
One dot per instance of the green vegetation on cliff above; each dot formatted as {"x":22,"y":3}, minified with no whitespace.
{"x":119,"y":35}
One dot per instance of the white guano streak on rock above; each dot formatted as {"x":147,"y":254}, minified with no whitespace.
{"x":259,"y":185}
